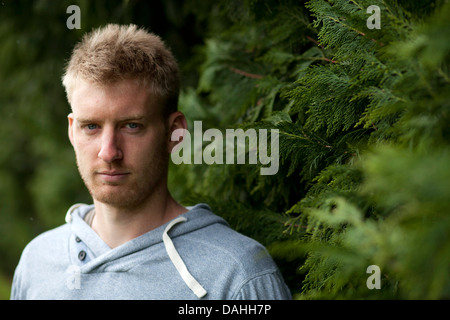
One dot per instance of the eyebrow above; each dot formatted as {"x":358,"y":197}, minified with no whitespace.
{"x":125,"y":119}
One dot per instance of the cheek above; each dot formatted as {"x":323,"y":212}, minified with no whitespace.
{"x":85,"y":150}
{"x":152,"y":150}
{"x":149,"y":151}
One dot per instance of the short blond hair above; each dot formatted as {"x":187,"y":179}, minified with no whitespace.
{"x":115,"y":53}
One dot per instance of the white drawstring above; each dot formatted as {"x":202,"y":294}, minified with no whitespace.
{"x":71,"y":209}
{"x":190,"y":281}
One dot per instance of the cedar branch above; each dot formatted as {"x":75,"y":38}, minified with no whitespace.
{"x":246,"y":74}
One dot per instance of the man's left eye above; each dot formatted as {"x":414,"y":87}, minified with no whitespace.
{"x":132,"y":125}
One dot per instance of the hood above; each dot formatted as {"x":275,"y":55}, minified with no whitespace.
{"x":198,"y":217}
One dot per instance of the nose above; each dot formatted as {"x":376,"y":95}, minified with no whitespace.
{"x":110,"y":150}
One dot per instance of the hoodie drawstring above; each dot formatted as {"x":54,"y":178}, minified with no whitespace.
{"x":190,"y":281}
{"x":72,"y":209}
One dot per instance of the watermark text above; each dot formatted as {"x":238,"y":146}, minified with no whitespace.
{"x":236,"y":147}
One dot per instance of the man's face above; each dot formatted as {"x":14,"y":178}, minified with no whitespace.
{"x":121,"y":142}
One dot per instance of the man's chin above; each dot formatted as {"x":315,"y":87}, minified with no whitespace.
{"x":118,"y":196}
{"x":111,"y":194}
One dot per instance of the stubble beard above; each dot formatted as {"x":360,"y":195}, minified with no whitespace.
{"x":133,"y":192}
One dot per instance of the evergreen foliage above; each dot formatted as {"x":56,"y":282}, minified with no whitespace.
{"x":364,"y":140}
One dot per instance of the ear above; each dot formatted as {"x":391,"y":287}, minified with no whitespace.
{"x":176,"y":121}
{"x":70,"y":118}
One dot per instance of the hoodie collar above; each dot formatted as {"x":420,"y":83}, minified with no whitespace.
{"x":198,"y":216}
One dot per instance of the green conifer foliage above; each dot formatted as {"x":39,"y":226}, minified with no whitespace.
{"x":364,"y":140}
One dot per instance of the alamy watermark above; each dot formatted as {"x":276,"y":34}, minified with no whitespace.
{"x":74,"y":20}
{"x":373,"y":281}
{"x":236,"y":147}
{"x":374,"y":21}
{"x":73,"y":281}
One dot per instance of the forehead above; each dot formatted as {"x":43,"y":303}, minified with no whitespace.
{"x":119,"y":99}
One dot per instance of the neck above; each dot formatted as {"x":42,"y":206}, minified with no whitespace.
{"x":119,"y":225}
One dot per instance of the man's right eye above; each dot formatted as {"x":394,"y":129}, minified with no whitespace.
{"x":91,"y":126}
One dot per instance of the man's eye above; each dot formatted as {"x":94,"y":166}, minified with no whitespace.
{"x":132,"y":125}
{"x":91,"y":126}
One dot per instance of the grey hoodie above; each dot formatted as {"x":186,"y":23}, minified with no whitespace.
{"x":194,"y":256}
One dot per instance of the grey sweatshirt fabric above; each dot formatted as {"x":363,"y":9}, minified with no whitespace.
{"x":194,"y":256}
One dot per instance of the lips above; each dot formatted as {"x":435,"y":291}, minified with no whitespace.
{"x":112,"y":173}
{"x":113,"y":176}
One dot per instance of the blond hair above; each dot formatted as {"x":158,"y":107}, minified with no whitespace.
{"x":115,"y":53}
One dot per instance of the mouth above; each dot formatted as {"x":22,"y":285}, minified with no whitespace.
{"x":112,"y":173}
{"x":113,"y":176}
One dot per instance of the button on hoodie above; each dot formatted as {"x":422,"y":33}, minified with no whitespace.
{"x":82,"y":255}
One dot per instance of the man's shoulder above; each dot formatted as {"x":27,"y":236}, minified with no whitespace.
{"x":57,"y":236}
{"x":232,"y":260}
{"x":210,"y":228}
{"x":230,"y":248}
{"x":231,"y":241}
{"x":50,"y":239}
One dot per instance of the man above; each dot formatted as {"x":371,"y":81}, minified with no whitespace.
{"x":135,"y":241}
